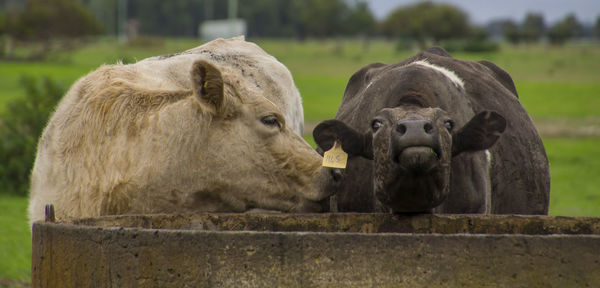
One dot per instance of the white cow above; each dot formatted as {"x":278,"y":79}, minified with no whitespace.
{"x":214,"y":129}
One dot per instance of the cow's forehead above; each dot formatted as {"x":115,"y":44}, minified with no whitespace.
{"x":444,"y":71}
{"x":451,"y":75}
{"x":411,"y":112}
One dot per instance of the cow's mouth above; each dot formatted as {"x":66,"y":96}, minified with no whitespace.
{"x":417,"y":159}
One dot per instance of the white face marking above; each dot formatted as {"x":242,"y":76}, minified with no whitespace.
{"x":448,"y":73}
{"x":445,"y":71}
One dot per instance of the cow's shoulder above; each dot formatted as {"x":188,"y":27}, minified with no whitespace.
{"x":501,"y":76}
{"x":352,"y":109}
{"x":360,"y":79}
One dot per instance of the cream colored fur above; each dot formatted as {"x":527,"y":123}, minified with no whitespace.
{"x":141,"y":138}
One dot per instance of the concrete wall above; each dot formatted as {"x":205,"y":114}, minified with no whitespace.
{"x":350,"y":250}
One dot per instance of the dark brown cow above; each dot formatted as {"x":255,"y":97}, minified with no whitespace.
{"x":437,"y":134}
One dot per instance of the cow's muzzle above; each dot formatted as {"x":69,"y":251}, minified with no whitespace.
{"x":415,"y":145}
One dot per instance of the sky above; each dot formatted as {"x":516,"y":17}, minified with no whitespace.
{"x":482,"y":11}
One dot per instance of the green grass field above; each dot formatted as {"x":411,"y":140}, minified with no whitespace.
{"x":15,"y":239}
{"x":554,"y":83}
{"x":574,"y":168}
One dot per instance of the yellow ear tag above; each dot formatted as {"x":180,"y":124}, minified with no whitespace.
{"x":335,"y":157}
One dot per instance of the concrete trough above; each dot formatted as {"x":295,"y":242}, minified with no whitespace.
{"x":317,"y":250}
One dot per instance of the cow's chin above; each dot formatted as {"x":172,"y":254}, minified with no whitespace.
{"x":417,"y":159}
{"x":419,"y":183}
{"x":402,"y":199}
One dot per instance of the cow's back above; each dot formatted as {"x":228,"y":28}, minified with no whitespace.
{"x":520,"y":172}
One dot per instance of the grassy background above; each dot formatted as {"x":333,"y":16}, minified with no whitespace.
{"x":556,"y":85}
{"x":15,"y":239}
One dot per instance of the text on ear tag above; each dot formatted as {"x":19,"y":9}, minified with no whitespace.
{"x":335,"y":157}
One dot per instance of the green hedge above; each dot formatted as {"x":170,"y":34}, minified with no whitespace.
{"x":21,"y":125}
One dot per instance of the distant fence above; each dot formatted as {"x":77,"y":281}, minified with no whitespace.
{"x":213,"y":29}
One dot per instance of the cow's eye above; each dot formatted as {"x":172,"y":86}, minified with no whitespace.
{"x":449,"y":124}
{"x":271,"y":121}
{"x":376,"y":124}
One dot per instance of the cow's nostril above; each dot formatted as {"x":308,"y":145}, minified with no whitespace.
{"x":428,"y":128}
{"x":336,"y":174}
{"x":401,"y":128}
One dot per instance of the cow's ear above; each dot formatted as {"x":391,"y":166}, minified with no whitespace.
{"x":353,"y":142}
{"x":482,"y":132}
{"x":208,"y":84}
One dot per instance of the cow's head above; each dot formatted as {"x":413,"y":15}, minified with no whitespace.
{"x":412,"y":148}
{"x":254,"y":159}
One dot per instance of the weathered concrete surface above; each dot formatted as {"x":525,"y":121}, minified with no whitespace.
{"x":350,"y":250}
{"x":363,"y":223}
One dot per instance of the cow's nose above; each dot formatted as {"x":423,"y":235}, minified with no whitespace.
{"x":414,"y":127}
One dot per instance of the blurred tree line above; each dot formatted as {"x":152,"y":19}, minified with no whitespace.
{"x":265,"y":18}
{"x":533,"y":28}
{"x":424,"y":22}
{"x":50,"y":24}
